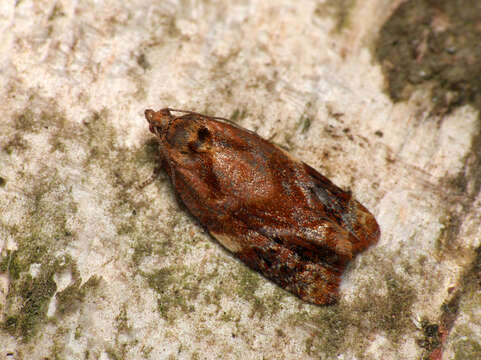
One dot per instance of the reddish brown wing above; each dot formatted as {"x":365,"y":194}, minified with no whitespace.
{"x":305,"y":247}
{"x":346,"y":211}
{"x":310,"y":271}
{"x":278,"y":215}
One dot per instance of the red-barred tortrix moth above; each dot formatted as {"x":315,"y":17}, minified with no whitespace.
{"x":274,"y":212}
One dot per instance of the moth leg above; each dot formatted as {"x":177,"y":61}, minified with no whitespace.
{"x":155,"y":174}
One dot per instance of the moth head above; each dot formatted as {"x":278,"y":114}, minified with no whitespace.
{"x":158,"y":121}
{"x":186,"y":135}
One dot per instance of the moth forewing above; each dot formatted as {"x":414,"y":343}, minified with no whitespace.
{"x":272,"y":211}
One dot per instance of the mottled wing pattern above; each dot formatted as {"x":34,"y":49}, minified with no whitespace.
{"x":275,"y":213}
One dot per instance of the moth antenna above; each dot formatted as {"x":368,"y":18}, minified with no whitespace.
{"x":199,"y":114}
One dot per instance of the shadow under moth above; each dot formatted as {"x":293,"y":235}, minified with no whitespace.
{"x":275,"y":213}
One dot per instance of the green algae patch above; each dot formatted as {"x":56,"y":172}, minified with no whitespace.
{"x":29,"y":121}
{"x":29,"y":296}
{"x":99,"y":138}
{"x":433,"y":44}
{"x":465,"y":346}
{"x":247,"y":283}
{"x":69,"y":299}
{"x":176,"y":288}
{"x":340,"y":10}
{"x":32,"y":266}
{"x":32,"y":299}
{"x":238,"y":115}
{"x":465,"y":301}
{"x":49,"y":213}
{"x":335,"y":328}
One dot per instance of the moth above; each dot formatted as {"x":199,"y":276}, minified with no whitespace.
{"x":275,"y":213}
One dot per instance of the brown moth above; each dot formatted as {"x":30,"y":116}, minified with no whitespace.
{"x":274,"y":212}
